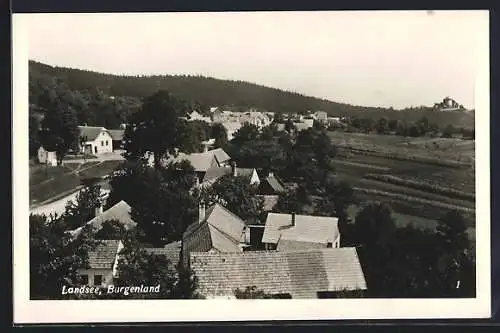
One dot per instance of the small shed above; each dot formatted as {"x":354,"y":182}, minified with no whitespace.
{"x":47,"y":157}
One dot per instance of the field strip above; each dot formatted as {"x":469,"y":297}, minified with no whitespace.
{"x":362,"y":165}
{"x":415,"y":199}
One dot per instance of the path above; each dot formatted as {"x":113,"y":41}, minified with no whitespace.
{"x":57,"y":207}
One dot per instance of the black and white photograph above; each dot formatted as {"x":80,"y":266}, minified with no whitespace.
{"x":202,"y":160}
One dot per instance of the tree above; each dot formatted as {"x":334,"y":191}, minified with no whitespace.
{"x":55,"y":256}
{"x":289,"y":202}
{"x":413,"y":130}
{"x":374,"y":226}
{"x":247,"y":133}
{"x":455,"y":259}
{"x":219,"y":133}
{"x":383,"y":125}
{"x":393,"y":125}
{"x":34,"y":135}
{"x":137,"y":267}
{"x":152,"y":193}
{"x":59,"y":131}
{"x":423,"y":125}
{"x":111,"y":229}
{"x":401,"y":128}
{"x":238,"y":196}
{"x":448,"y":131}
{"x":339,"y":196}
{"x":82,"y":210}
{"x":154,"y":130}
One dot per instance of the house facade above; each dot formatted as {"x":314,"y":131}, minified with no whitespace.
{"x":97,"y":140}
{"x":103,"y":264}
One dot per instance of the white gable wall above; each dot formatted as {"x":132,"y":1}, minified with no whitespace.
{"x":102,"y":144}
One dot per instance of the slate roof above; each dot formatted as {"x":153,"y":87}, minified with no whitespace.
{"x":299,"y":273}
{"x":312,"y":229}
{"x":221,"y":231}
{"x":104,"y":255}
{"x":120,"y":212}
{"x":215,"y":173}
{"x":91,"y":132}
{"x":116,"y":135}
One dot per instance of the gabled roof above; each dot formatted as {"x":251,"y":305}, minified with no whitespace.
{"x":221,"y":230}
{"x":312,"y":229}
{"x":116,"y":135}
{"x":275,"y":184}
{"x":299,"y":273}
{"x":120,"y":212}
{"x":91,"y":132}
{"x":201,"y":162}
{"x":215,"y":173}
{"x":104,"y":255}
{"x":220,"y":155}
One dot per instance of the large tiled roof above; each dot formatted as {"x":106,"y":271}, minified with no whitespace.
{"x":221,"y":230}
{"x":220,"y":155}
{"x":91,"y":132}
{"x":301,"y":274}
{"x":119,"y":212}
{"x":104,"y":255}
{"x":117,"y":135}
{"x":215,"y":173}
{"x":307,"y":228}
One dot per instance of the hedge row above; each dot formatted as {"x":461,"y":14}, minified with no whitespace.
{"x":420,"y":185}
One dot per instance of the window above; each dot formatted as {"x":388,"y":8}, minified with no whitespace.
{"x":329,"y":245}
{"x":106,"y":142}
{"x":97,"y":280}
{"x":84,"y":278}
{"x":95,"y":149}
{"x":102,"y":143}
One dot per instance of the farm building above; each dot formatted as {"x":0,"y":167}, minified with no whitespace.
{"x":117,"y":138}
{"x":97,"y":140}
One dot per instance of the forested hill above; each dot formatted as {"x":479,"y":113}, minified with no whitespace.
{"x":206,"y":92}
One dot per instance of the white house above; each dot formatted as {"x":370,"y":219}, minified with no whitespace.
{"x":98,"y":140}
{"x":47,"y":157}
{"x":103,"y":264}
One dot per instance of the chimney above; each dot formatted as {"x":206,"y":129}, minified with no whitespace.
{"x":201,"y":212}
{"x":271,"y":173}
{"x":234,"y":170}
{"x":293,"y":219}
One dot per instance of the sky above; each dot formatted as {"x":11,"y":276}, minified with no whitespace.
{"x":387,"y":59}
